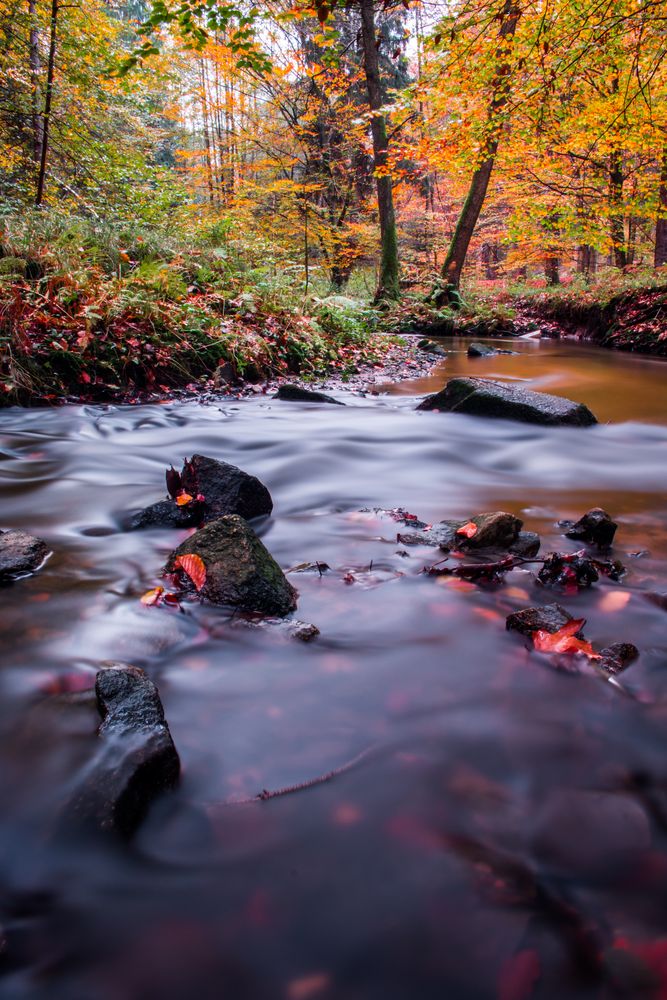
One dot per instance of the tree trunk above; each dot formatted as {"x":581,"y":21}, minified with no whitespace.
{"x":465,"y":227}
{"x":660,"y":258}
{"x":48,"y":103}
{"x":207,"y":135}
{"x":35,"y":73}
{"x":388,"y":284}
{"x":552,"y":268}
{"x":586,"y":261}
{"x":616,"y":200}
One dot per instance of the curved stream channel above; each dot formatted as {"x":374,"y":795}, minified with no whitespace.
{"x":508,"y":823}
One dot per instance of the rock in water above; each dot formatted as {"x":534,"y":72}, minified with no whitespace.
{"x":549,"y":618}
{"x":239,"y":569}
{"x":295,"y":394}
{"x":225,"y":488}
{"x":595,"y":527}
{"x":480,"y":351}
{"x":136,"y":761}
{"x":483,"y":398}
{"x":20,"y":553}
{"x":495,"y":530}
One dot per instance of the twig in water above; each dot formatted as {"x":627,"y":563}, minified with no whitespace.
{"x":321,"y":779}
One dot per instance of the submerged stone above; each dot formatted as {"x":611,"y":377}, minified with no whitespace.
{"x":20,"y":553}
{"x":136,"y":760}
{"x":240,"y":571}
{"x":484,"y":398}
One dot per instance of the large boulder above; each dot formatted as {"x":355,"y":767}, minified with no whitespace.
{"x":240,"y":571}
{"x":484,"y":398}
{"x":20,"y":553}
{"x":296,"y":394}
{"x":225,"y":489}
{"x":136,"y":760}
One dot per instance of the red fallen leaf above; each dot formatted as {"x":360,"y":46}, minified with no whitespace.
{"x":349,"y":578}
{"x":194,"y":567}
{"x":85,"y":377}
{"x":183,"y":499}
{"x":172,"y":599}
{"x":564,"y":640}
{"x":173,"y":482}
{"x":152,"y":597}
{"x":518,"y":975}
{"x":468,"y":530}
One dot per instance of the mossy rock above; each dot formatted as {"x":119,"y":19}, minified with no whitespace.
{"x":240,"y":571}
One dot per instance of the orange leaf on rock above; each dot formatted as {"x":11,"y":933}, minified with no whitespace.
{"x":194,"y":567}
{"x":468,"y":530}
{"x":564,"y":640}
{"x":183,"y":499}
{"x":152,"y":597}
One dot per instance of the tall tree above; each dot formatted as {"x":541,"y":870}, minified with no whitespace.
{"x":388,"y":283}
{"x":48,"y":102}
{"x":472,"y":206}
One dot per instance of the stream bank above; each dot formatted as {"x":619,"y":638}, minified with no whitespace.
{"x":634,"y":320}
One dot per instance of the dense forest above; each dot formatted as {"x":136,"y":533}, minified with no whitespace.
{"x":261,"y":186}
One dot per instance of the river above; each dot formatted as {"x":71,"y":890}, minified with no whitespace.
{"x":504,"y":823}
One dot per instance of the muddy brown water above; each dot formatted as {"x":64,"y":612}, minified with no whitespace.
{"x":508,"y":825}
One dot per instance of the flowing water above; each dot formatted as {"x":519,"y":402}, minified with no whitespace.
{"x":503,"y":824}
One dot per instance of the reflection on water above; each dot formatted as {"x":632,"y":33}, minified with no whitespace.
{"x":506,"y":813}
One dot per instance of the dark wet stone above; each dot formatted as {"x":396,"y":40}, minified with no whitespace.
{"x":136,"y":760}
{"x":240,"y":571}
{"x":527,"y":544}
{"x":430,"y":347}
{"x":548,"y":618}
{"x":226,"y":490}
{"x":296,"y":394}
{"x":595,"y":527}
{"x":496,"y":529}
{"x":483,"y":398}
{"x":498,"y":533}
{"x":20,"y":553}
{"x":618,"y":656}
{"x":167,"y":514}
{"x":480,"y":351}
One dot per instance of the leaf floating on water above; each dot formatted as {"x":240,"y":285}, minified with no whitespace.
{"x":518,"y":975}
{"x":183,"y":499}
{"x":194,"y":567}
{"x":468,"y":530}
{"x":564,"y":640}
{"x":152,"y":597}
